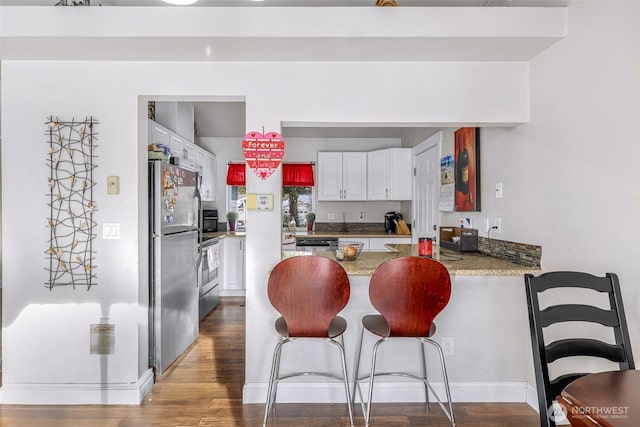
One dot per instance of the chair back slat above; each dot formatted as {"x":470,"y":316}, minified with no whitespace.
{"x":577,"y":313}
{"x":584,"y":347}
{"x":308,"y":291}
{"x":409,"y":292}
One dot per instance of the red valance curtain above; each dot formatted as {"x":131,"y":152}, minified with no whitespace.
{"x":236,"y":174}
{"x":297,"y":175}
{"x":293,"y":174}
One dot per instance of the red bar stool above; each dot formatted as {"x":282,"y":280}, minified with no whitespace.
{"x":408,"y":292}
{"x":308,"y":292}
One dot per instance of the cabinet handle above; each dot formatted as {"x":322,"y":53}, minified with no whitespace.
{"x":386,"y":193}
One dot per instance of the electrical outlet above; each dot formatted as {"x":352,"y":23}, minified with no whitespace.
{"x":447,"y":346}
{"x":498,"y":190}
{"x":498,"y":224}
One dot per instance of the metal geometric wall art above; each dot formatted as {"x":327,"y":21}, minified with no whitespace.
{"x":71,"y":161}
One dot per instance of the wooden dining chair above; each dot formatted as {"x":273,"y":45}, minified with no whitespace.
{"x":308,"y":292}
{"x":551,"y":342}
{"x":408,"y":292}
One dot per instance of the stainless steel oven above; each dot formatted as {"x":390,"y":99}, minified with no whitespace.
{"x":210,"y":274}
{"x":209,"y":220}
{"x":312,"y":244}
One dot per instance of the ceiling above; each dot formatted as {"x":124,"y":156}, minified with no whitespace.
{"x":227,"y":119}
{"x":305,"y":3}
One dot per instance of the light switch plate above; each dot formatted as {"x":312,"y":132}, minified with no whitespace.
{"x":113,"y":185}
{"x":111,"y":230}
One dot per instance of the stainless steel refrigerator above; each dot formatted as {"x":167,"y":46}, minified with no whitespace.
{"x":174,"y":206}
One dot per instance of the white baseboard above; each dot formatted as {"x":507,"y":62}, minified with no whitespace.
{"x":532,"y":397}
{"x":298,"y":392}
{"x":77,"y":394}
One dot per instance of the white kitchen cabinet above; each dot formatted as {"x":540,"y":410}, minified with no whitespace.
{"x":158,"y":134}
{"x":342,"y":175}
{"x":177,"y":145}
{"x":233,"y":282}
{"x":200,"y":157}
{"x":208,"y":185}
{"x":363,"y":240}
{"x":389,"y":174}
{"x":377,"y":244}
{"x":178,"y":117}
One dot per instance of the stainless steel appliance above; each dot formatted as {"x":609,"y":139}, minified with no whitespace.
{"x":174,"y":206}
{"x":390,"y":221}
{"x":209,"y":220}
{"x":211,"y":267}
{"x":312,"y":244}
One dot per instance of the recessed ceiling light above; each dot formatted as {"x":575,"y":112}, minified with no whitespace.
{"x":180,"y":2}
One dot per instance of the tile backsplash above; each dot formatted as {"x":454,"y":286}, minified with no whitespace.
{"x":519,"y":253}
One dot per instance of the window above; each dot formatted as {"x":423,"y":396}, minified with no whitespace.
{"x":297,"y":202}
{"x":237,"y":201}
{"x":297,"y":193}
{"x":237,"y":193}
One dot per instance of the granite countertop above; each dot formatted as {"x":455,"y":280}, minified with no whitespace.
{"x":353,"y":234}
{"x":221,"y":234}
{"x":466,"y":263}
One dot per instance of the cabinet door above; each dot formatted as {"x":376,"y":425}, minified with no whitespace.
{"x":329,"y":176}
{"x":177,"y":145}
{"x":189,"y":150}
{"x":400,"y":174}
{"x":378,"y":175}
{"x":233,"y":264}
{"x":210,"y":171}
{"x":354,"y":176}
{"x":158,"y":134}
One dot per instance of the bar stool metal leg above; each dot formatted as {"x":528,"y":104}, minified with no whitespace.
{"x":371,"y":378}
{"x":345,"y":377}
{"x":449,"y":412}
{"x":356,"y":367}
{"x":423,"y":359}
{"x":273,"y":380}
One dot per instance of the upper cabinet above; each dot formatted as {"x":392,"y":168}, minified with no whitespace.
{"x":201,"y":158}
{"x":158,"y":134}
{"x":389,"y":174}
{"x":209,"y":167}
{"x":178,"y":117}
{"x":342,"y":175}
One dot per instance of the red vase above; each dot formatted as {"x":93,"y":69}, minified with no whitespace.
{"x":232,"y":225}
{"x":309,"y":225}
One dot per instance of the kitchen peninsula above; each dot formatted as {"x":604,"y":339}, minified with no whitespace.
{"x":486,"y":317}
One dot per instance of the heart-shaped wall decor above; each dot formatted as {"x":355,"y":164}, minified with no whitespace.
{"x":263,"y":153}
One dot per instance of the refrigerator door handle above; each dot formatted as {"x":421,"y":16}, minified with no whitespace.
{"x":200,"y":222}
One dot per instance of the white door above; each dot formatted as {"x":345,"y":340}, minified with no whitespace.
{"x":426,"y":185}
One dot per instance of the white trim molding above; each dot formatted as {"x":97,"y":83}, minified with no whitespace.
{"x":77,"y":394}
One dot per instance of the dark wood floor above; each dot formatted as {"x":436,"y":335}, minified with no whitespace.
{"x":204,"y":388}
